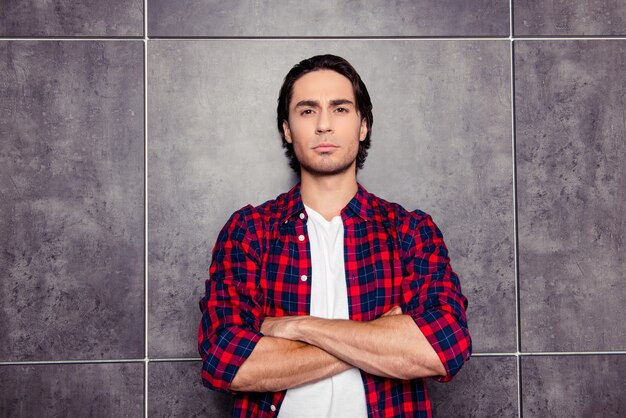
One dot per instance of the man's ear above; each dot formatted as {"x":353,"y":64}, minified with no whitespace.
{"x":287,"y":131}
{"x":363,"y":131}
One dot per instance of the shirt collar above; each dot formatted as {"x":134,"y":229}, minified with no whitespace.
{"x":290,"y":204}
{"x":360,"y":205}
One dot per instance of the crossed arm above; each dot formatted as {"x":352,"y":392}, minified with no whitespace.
{"x":296,"y":350}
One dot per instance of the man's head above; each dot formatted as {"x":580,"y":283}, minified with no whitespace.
{"x":331,"y":90}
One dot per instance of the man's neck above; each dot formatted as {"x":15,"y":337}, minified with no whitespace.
{"x":328,"y":195}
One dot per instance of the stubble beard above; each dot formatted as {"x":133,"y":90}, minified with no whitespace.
{"x":328,"y":168}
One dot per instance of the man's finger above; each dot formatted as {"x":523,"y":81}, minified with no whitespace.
{"x":396,"y":310}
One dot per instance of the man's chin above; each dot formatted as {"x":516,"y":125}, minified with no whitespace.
{"x":327,"y":170}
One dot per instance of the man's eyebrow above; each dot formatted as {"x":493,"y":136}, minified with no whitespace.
{"x":315,"y":103}
{"x":307,"y":103}
{"x":339,"y":102}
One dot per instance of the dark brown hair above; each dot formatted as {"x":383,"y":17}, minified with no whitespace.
{"x":361,"y":96}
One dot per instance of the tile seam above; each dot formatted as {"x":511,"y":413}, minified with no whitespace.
{"x":44,"y":362}
{"x":569,"y":38}
{"x":518,"y":346}
{"x":573,"y":353}
{"x":184,"y":359}
{"x":226,"y":38}
{"x":390,"y":38}
{"x":72,"y":39}
{"x":193,"y":359}
{"x":330,"y":38}
{"x":145,"y":174}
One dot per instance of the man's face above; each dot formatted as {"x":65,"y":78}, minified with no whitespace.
{"x":324,"y":125}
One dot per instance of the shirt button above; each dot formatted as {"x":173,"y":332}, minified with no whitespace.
{"x":273,"y":408}
{"x":301,"y":238}
{"x":301,"y":215}
{"x":303,"y":277}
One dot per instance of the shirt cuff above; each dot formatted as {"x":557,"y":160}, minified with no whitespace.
{"x":232,"y":346}
{"x":448,"y":338}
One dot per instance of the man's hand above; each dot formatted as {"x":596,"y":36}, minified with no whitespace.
{"x":395,"y":310}
{"x":280,"y":326}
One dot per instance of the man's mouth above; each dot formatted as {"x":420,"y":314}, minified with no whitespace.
{"x":325,"y":147}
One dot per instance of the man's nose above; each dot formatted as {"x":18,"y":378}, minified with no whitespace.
{"x":324,"y":123}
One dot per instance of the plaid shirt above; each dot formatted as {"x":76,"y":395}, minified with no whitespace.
{"x":392,"y":257}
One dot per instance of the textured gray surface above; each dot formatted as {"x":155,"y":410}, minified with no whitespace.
{"x":570,"y":102}
{"x":328,"y":18}
{"x":72,"y":390}
{"x":485,"y":387}
{"x":590,"y":386}
{"x":214,"y":148}
{"x":581,"y":17}
{"x":442,"y":143}
{"x":71,"y":18}
{"x":71,"y":187}
{"x":176,"y":390}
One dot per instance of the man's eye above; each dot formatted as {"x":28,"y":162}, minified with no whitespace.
{"x":306,"y":112}
{"x":342,"y":109}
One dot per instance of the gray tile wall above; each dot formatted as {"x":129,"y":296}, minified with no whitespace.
{"x":72,"y":200}
{"x":288,"y":18}
{"x":581,"y":17}
{"x":111,"y":18}
{"x":533,"y":216}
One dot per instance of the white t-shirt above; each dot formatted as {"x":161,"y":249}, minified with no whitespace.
{"x":341,"y":395}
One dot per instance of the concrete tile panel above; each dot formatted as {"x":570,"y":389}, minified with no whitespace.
{"x":442,"y":143}
{"x":590,"y":386}
{"x":213,"y":147}
{"x":485,"y":387}
{"x":328,"y":18}
{"x":176,"y":390}
{"x":71,"y":18}
{"x":565,"y":18}
{"x":570,"y":101}
{"x":71,"y":181}
{"x":72,"y":390}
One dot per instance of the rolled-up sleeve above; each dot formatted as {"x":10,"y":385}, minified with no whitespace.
{"x":232,"y":306}
{"x":432,"y":293}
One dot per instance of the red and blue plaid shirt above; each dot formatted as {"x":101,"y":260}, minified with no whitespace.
{"x":392,"y":257}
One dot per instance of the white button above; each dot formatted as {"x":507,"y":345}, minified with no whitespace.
{"x":301,"y":237}
{"x":273,"y":408}
{"x":286,"y":220}
{"x":301,"y":215}
{"x":303,"y":277}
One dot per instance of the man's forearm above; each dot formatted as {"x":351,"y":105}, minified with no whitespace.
{"x":390,"y":346}
{"x":277,"y":364}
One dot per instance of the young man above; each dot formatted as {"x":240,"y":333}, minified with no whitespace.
{"x":329,"y":301}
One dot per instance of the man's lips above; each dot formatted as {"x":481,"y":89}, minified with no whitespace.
{"x":325,"y":147}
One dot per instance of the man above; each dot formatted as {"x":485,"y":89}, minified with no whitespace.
{"x":329,"y":301}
